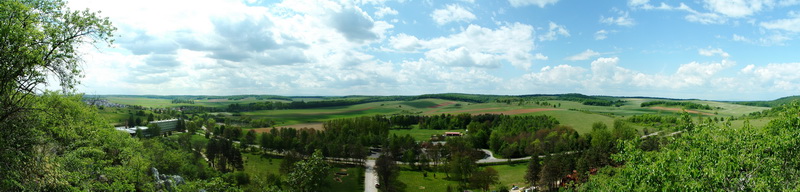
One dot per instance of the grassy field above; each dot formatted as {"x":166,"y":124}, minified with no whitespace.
{"x":259,"y":168}
{"x":298,"y":116}
{"x":580,"y":121}
{"x":415,"y":180}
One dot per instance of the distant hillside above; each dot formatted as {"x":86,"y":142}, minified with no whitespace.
{"x":773,"y":103}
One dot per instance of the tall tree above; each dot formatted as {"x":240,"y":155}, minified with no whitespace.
{"x":153,"y":130}
{"x":250,"y":138}
{"x":309,"y":175}
{"x":484,"y":178}
{"x":387,"y":171}
{"x":533,"y":171}
{"x":40,"y":38}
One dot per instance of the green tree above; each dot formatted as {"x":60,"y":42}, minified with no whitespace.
{"x":250,"y":138}
{"x":309,"y":175}
{"x":534,"y":168}
{"x":153,"y":130}
{"x":387,"y":171}
{"x":484,"y":178}
{"x":711,"y":158}
{"x":37,"y":39}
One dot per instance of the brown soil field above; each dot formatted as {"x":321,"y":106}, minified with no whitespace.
{"x":679,"y":110}
{"x":317,"y":126}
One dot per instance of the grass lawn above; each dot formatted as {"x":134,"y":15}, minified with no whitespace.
{"x":259,"y":167}
{"x":580,"y":121}
{"x":416,"y":181}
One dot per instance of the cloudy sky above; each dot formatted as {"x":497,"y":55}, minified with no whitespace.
{"x":707,"y":49}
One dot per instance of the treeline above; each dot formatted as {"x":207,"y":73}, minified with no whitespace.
{"x":653,"y":119}
{"x":347,"y":138}
{"x":685,"y":105}
{"x":181,"y":100}
{"x":589,"y":100}
{"x":277,"y":105}
{"x":540,"y":99}
{"x":773,"y":103}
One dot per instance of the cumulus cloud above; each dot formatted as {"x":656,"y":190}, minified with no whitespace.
{"x":606,"y":76}
{"x":452,"y":13}
{"x":585,"y":55}
{"x":776,"y":76}
{"x":540,"y":3}
{"x":384,"y":11}
{"x":475,"y":46}
{"x":539,"y":56}
{"x":553,"y":32}
{"x":561,"y":75}
{"x":354,"y":24}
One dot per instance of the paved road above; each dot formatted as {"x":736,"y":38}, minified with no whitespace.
{"x":370,"y":178}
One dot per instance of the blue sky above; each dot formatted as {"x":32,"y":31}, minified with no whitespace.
{"x":706,"y":49}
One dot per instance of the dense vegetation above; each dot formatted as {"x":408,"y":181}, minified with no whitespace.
{"x":685,"y":105}
{"x":773,"y":103}
{"x":752,"y":159}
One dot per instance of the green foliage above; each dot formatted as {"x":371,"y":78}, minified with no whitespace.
{"x":532,"y":172}
{"x":710,"y":158}
{"x":483,"y":178}
{"x":309,"y":175}
{"x":181,"y":100}
{"x":685,"y":105}
{"x":152,"y":130}
{"x":387,"y":171}
{"x":653,"y":119}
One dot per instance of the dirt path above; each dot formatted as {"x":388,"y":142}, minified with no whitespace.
{"x":680,"y":110}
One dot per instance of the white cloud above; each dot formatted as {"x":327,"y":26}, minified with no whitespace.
{"x":539,"y":56}
{"x":452,"y":13}
{"x":600,"y":35}
{"x":790,"y":24}
{"x":553,"y":31}
{"x":737,"y":8}
{"x":712,"y":52}
{"x":561,"y":75}
{"x":606,"y":76}
{"x":585,"y":55}
{"x":404,"y":42}
{"x":540,"y":3}
{"x":776,"y":76}
{"x":384,"y":11}
{"x":475,"y":46}
{"x":622,"y":20}
{"x":775,"y":38}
